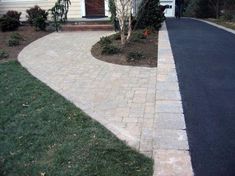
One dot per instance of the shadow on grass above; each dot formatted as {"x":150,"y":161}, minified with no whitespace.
{"x":41,"y":133}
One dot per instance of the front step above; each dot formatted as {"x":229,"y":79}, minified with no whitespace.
{"x":87,"y":27}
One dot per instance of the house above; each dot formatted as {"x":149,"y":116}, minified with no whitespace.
{"x":78,"y":9}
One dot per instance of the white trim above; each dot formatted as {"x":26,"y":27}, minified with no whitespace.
{"x":106,"y":8}
{"x":83,"y":8}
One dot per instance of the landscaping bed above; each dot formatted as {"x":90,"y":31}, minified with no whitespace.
{"x":141,"y":50}
{"x":28,"y":35}
{"x":41,"y":133}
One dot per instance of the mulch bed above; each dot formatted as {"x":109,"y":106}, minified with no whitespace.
{"x":147,"y":47}
{"x":29,"y":35}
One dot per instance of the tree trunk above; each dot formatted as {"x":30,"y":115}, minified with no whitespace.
{"x":129,"y":27}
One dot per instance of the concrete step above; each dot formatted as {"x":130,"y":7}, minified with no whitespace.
{"x":87,"y":27}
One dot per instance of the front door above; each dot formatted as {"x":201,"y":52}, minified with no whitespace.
{"x":94,"y":8}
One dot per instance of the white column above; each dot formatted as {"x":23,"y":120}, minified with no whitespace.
{"x":106,"y":8}
{"x":83,"y":8}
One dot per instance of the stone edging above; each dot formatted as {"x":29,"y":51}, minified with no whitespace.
{"x":171,"y":150}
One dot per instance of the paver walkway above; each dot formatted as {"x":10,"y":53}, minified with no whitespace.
{"x":125,"y":99}
{"x":122,"y":98}
{"x":205,"y":62}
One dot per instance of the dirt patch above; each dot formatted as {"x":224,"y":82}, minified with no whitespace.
{"x":29,"y":35}
{"x":146,"y":47}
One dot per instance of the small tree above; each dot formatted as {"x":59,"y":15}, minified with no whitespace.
{"x":59,"y":12}
{"x":123,"y":11}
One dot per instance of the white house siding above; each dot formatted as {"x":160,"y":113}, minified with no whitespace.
{"x":171,"y":11}
{"x":23,"y":5}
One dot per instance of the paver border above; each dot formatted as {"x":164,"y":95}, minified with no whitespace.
{"x":171,"y":149}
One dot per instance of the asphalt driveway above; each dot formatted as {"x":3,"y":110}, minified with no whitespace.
{"x":205,"y":63}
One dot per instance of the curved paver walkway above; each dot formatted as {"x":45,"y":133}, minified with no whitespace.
{"x":205,"y":62}
{"x":125,"y":99}
{"x":122,"y":98}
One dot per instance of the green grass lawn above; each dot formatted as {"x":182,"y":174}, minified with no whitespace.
{"x":41,"y":133}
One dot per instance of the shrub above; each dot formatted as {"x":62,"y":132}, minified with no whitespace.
{"x":113,"y":11}
{"x":3,"y":54}
{"x":8,"y":24}
{"x":15,"y":39}
{"x":116,"y":36}
{"x":133,"y":56}
{"x":14,"y":14}
{"x":227,"y":17}
{"x":16,"y":35}
{"x":37,"y":17}
{"x":105,"y":41}
{"x":59,"y":13}
{"x":110,"y":49}
{"x":149,"y":14}
{"x":136,"y":36}
{"x":13,"y":42}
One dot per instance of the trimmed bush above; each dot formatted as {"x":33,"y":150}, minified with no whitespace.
{"x":133,"y":56}
{"x":14,"y":14}
{"x":8,"y":24}
{"x":16,"y":35}
{"x":110,"y":49}
{"x":37,"y":17}
{"x":3,"y":54}
{"x":15,"y":39}
{"x":13,"y":42}
{"x":149,"y":14}
{"x":136,"y":36}
{"x":105,"y":41}
{"x":116,"y":36}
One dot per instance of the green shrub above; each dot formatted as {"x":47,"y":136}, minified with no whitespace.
{"x":8,"y":24}
{"x":105,"y":41}
{"x":14,"y":14}
{"x":39,"y":23}
{"x":227,"y":17}
{"x":59,"y":13}
{"x":149,"y":14}
{"x":116,"y":36}
{"x":113,"y":11}
{"x":110,"y":49}
{"x":13,"y":42}
{"x":37,"y":17}
{"x":136,"y":36}
{"x":16,"y":35}
{"x":133,"y":56}
{"x":3,"y":54}
{"x":15,"y":39}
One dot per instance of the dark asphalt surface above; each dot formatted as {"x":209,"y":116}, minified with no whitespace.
{"x":205,"y":63}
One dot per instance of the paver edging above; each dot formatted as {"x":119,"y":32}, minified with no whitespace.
{"x":171,"y":150}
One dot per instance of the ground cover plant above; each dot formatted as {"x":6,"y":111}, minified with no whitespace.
{"x":41,"y":133}
{"x":141,"y":50}
{"x":25,"y":35}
